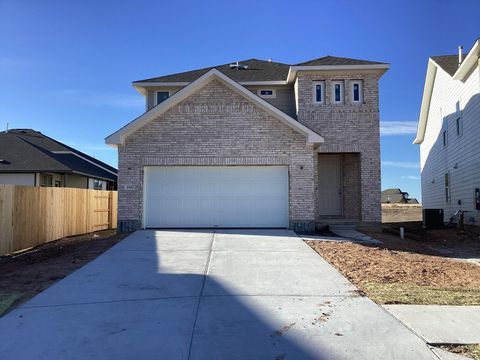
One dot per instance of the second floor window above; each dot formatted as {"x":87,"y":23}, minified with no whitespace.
{"x":161,"y":96}
{"x":337,"y":92}
{"x":267,"y":93}
{"x":318,"y":93}
{"x":357,"y":95}
{"x":458,"y":125}
{"x":444,"y":137}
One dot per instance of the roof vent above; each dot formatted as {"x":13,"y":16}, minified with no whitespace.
{"x":238,"y":66}
{"x":460,"y":55}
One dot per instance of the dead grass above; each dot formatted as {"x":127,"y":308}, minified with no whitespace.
{"x":404,"y":272}
{"x":472,"y":351}
{"x":401,"y":212}
{"x":24,"y":275}
{"x":398,"y":293}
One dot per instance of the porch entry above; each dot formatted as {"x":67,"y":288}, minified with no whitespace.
{"x":330,"y":185}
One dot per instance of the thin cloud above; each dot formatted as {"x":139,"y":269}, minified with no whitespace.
{"x":102,"y":99}
{"x":401,"y":164}
{"x":411,"y":177}
{"x":85,"y":147}
{"x":392,"y":128}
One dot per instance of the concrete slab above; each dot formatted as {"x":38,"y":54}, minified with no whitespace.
{"x":439,"y":324}
{"x":156,"y":329}
{"x":273,"y":273}
{"x":140,"y":300}
{"x":160,"y":240}
{"x":258,"y":240}
{"x":284,"y":327}
{"x":127,"y":275}
{"x":354,"y":235}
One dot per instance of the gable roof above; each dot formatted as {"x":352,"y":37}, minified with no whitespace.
{"x":257,"y":71}
{"x":119,"y":136}
{"x":445,"y":63}
{"x":449,"y":63}
{"x":27,"y":150}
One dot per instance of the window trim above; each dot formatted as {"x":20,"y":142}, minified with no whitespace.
{"x":342,"y":91}
{"x":360,"y":91}
{"x":447,"y":185}
{"x":155,"y":96}
{"x":445,"y":137}
{"x":273,"y":96}
{"x":459,"y":125}
{"x":314,"y":92}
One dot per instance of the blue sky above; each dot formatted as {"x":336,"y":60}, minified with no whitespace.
{"x":66,"y":67}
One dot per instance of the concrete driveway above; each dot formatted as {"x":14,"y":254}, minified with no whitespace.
{"x":225,"y":294}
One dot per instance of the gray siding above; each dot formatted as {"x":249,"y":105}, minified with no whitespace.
{"x":284,"y":100}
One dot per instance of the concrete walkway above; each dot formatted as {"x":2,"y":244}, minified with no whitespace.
{"x":440,"y":324}
{"x":238,"y":294}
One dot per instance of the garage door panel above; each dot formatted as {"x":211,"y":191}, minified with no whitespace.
{"x":240,"y":196}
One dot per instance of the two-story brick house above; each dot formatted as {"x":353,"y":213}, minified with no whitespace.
{"x":254,"y":144}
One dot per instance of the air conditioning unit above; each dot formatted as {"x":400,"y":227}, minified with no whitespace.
{"x":433,"y":218}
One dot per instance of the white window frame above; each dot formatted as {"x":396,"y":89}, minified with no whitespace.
{"x":274,"y":93}
{"x":342,"y":91}
{"x":360,"y":91}
{"x":314,"y":92}
{"x":459,"y":125}
{"x":447,"y":186}
{"x":155,"y":96}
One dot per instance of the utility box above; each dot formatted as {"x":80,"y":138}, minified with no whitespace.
{"x":433,"y":218}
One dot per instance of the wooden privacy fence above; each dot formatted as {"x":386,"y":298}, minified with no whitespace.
{"x":30,"y":216}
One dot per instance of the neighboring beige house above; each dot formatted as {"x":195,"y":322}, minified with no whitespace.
{"x":254,"y":144}
{"x":28,"y":157}
{"x":449,"y":135}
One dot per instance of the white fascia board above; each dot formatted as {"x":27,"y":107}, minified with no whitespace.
{"x":118,"y":137}
{"x":426,"y":98}
{"x":470,"y":61}
{"x":263,"y":83}
{"x":142,"y":87}
{"x":293,"y":69}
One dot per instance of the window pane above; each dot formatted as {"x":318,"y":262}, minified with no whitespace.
{"x":337,"y":93}
{"x":162,"y":96}
{"x":458,"y":126}
{"x":356,"y":92}
{"x":266,"y":92}
{"x":318,"y":93}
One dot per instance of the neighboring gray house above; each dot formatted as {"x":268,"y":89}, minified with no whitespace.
{"x":394,"y":196}
{"x":254,"y":144}
{"x":449,"y":135}
{"x":28,"y":157}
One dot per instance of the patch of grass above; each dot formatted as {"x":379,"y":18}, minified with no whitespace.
{"x":7,"y":300}
{"x":398,"y":293}
{"x":472,"y":351}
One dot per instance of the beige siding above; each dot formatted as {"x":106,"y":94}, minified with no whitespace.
{"x":17,"y":179}
{"x":461,"y":156}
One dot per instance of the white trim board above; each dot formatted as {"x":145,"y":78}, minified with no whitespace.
{"x":118,"y":137}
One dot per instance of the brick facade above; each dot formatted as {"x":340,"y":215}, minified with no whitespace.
{"x":348,"y":128}
{"x":216,"y":126}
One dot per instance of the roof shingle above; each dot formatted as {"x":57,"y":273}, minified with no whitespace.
{"x":258,"y":70}
{"x":449,"y":63}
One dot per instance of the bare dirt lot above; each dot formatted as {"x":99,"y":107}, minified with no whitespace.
{"x":24,"y":275}
{"x":410,"y":271}
{"x":401,"y":212}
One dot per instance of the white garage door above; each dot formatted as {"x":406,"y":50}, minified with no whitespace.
{"x":211,"y":196}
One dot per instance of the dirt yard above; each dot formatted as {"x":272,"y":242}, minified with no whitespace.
{"x":24,"y":275}
{"x":401,"y":212}
{"x":411,"y":271}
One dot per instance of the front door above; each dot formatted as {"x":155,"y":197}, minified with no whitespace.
{"x":330,"y":185}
